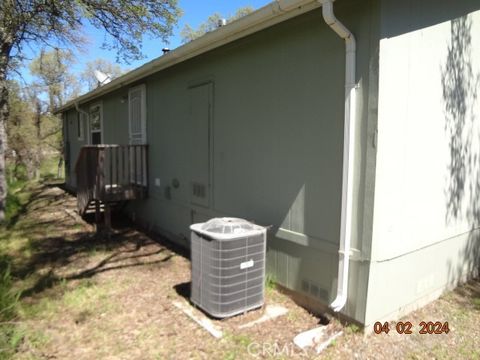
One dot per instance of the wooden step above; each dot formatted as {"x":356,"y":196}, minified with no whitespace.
{"x":91,"y":206}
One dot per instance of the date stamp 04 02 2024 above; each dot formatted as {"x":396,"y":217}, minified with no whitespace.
{"x":425,"y":327}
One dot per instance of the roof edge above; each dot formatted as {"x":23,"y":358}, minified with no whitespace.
{"x":267,"y":16}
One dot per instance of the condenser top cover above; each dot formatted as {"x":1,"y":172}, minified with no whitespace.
{"x":227,"y":228}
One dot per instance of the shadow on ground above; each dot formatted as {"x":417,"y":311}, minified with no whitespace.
{"x":61,"y":248}
{"x":183,"y":289}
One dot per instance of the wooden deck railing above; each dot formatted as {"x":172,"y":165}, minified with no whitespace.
{"x":111,"y":173}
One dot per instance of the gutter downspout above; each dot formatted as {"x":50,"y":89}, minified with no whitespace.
{"x":348,"y":152}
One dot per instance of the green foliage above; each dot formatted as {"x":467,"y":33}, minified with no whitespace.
{"x":31,"y":136}
{"x":105,"y":66}
{"x":18,"y":193}
{"x":17,"y":175}
{"x":13,"y":207}
{"x":56,"y":23}
{"x":16,"y":178}
{"x":23,"y":155}
{"x":270,"y":282}
{"x":8,"y":298}
{"x":352,"y":329}
{"x":9,"y":335}
{"x":51,"y":134}
{"x":51,"y":71}
{"x":49,"y":168}
{"x":476,"y":303}
{"x":188,"y":33}
{"x":54,"y":81}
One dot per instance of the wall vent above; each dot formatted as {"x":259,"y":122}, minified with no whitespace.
{"x":199,"y":190}
{"x":314,"y":290}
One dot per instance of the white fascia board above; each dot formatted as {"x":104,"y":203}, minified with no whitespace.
{"x":267,"y":16}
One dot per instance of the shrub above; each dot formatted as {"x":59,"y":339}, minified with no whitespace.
{"x":8,"y":311}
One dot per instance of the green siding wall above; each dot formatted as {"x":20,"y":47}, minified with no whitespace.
{"x":276,"y":151}
{"x":115,"y":118}
{"x":276,"y":144}
{"x":425,"y":230}
{"x":74,"y":144}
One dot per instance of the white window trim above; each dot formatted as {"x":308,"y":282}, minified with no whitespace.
{"x":143,"y":90}
{"x":100,"y":105}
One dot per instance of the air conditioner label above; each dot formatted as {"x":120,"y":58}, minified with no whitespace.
{"x":246,"y":264}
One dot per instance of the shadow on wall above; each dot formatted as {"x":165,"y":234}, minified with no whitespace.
{"x":460,"y":84}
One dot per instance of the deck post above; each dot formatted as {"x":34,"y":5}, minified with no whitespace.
{"x":97,"y":214}
{"x":108,"y":219}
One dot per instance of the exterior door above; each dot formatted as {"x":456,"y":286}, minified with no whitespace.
{"x":137,"y":133}
{"x":200,"y":143}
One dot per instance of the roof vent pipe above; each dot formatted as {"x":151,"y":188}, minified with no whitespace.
{"x":348,"y":152}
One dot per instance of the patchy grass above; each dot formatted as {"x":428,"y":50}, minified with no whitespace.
{"x":17,"y":197}
{"x":237,"y":346}
{"x":476,"y":303}
{"x":49,"y":169}
{"x":8,"y":296}
{"x":352,"y":329}
{"x":270,"y":283}
{"x":87,"y":296}
{"x":84,"y":296}
{"x":462,"y":342}
{"x":16,"y":246}
{"x":9,"y":335}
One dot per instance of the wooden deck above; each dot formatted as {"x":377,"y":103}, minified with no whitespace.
{"x":110,"y":174}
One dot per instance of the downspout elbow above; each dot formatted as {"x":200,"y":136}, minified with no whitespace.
{"x":78,"y":109}
{"x":332,"y":22}
{"x":342,"y":31}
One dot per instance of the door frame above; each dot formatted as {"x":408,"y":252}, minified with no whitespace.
{"x":143,"y":120}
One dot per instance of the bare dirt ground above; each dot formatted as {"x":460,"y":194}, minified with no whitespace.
{"x":89,"y":297}
{"x":460,"y":308}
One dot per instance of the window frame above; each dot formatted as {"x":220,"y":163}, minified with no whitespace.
{"x":90,"y":130}
{"x":143,"y":120}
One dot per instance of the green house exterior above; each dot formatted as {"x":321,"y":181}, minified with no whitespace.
{"x":258,"y":121}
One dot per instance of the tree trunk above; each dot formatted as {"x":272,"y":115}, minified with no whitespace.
{"x":37,"y":156}
{"x":51,"y":101}
{"x":5,"y":48}
{"x":4,"y":111}
{"x":38,"y":118}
